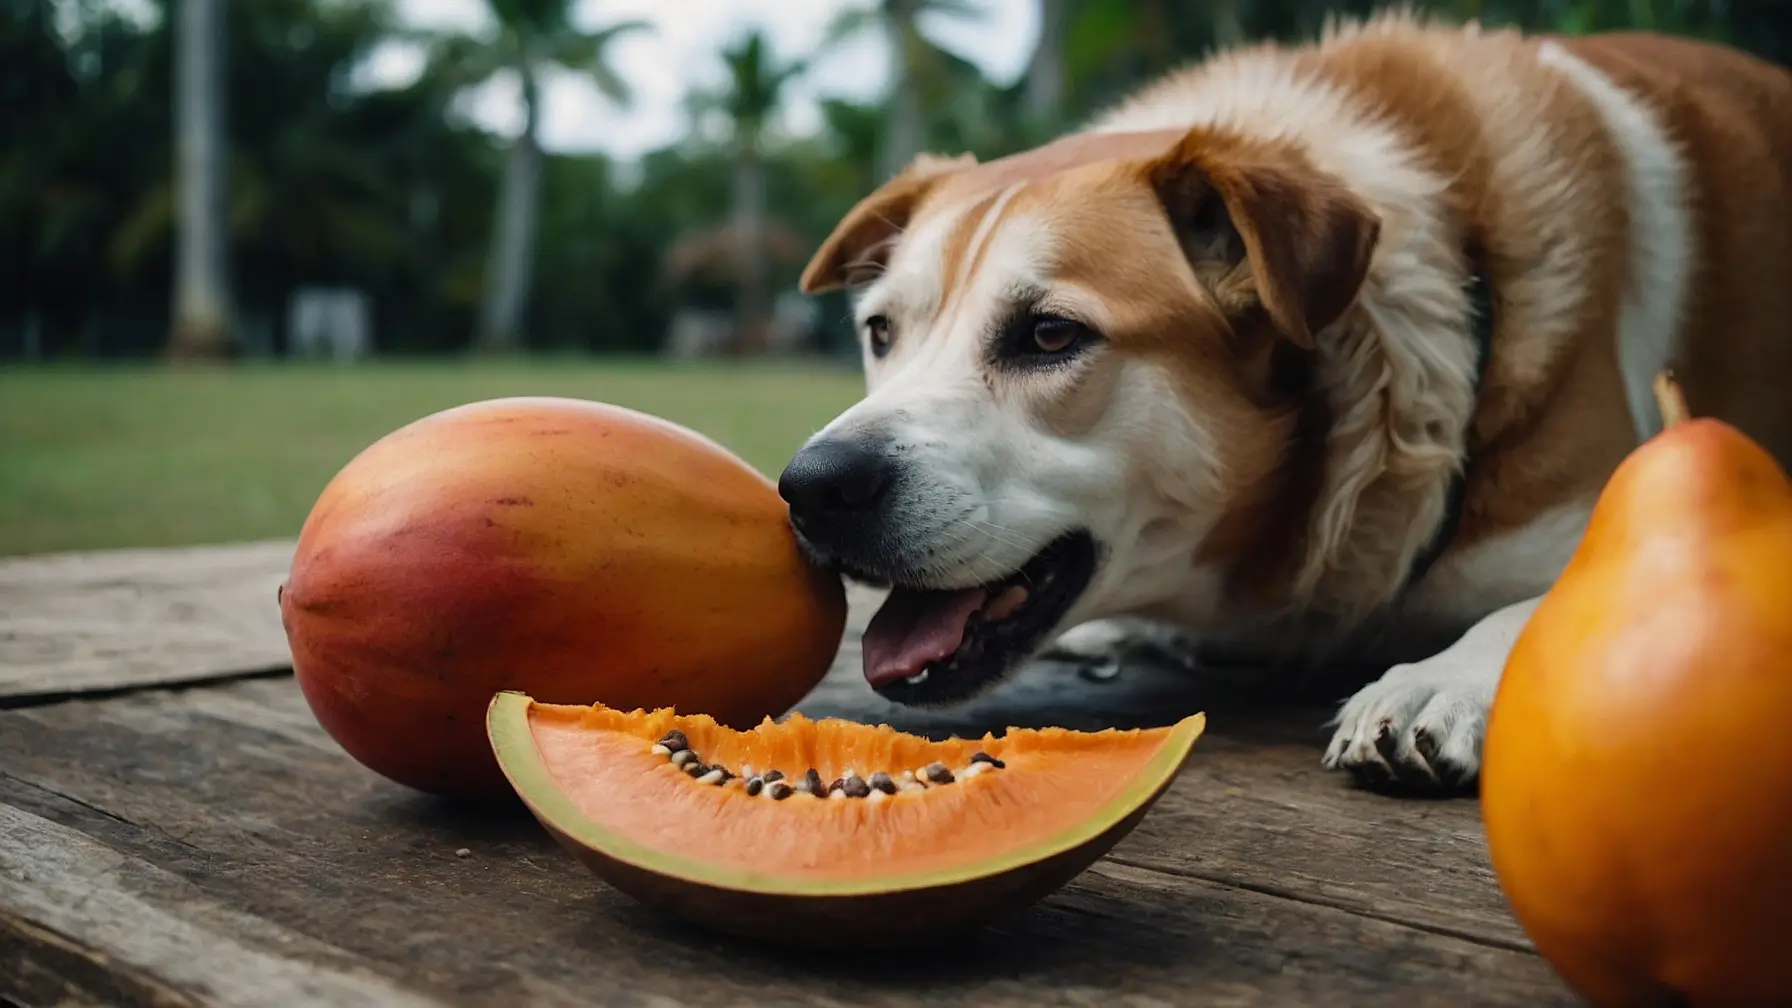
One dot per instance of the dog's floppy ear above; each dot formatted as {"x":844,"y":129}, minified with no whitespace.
{"x":1306,"y":236}
{"x":861,"y":242}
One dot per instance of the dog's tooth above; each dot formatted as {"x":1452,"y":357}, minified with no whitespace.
{"x":1003,"y":606}
{"x":917,"y":679}
{"x":1100,"y":670}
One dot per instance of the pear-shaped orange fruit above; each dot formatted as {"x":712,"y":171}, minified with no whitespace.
{"x":1637,"y":770}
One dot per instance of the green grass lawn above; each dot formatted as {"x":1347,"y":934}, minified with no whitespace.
{"x":149,"y":456}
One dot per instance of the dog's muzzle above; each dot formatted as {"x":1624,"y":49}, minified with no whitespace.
{"x":839,"y":492}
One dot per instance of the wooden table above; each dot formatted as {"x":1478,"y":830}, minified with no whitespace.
{"x":175,"y":829}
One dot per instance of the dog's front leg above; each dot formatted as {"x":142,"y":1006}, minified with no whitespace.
{"x":1422,"y":724}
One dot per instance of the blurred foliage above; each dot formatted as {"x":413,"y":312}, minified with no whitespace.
{"x":385,"y":190}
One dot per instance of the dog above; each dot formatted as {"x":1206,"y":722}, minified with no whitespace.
{"x":1302,"y":352}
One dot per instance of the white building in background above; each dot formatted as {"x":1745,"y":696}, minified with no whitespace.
{"x":333,"y":322}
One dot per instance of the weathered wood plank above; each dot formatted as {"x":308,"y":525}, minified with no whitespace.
{"x":102,"y":907}
{"x":1254,"y":882}
{"x":94,"y":622}
{"x":40,"y":966}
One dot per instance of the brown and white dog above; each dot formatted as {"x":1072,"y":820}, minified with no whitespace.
{"x":1305,"y":352}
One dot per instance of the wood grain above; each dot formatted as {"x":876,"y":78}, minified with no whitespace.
{"x":96,"y":622}
{"x":116,"y":908}
{"x":224,"y":815}
{"x":41,"y":966}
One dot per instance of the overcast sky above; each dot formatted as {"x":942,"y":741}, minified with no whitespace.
{"x":683,"y":51}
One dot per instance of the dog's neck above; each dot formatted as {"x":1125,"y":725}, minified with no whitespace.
{"x":1421,"y":506}
{"x":1482,"y":297}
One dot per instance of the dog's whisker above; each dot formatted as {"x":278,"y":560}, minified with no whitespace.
{"x":1003,"y":536}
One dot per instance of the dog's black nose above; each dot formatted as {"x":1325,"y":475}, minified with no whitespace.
{"x":834,"y":479}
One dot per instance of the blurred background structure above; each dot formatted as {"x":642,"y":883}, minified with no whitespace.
{"x":498,"y":196}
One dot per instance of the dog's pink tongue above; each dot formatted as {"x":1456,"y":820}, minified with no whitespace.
{"x":915,"y":627}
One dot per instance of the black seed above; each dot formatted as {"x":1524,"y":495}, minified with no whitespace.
{"x":753,"y":786}
{"x":984,"y":757}
{"x":727,"y":774}
{"x":812,"y":783}
{"x":675,"y":740}
{"x":838,"y":785}
{"x":779,"y":790}
{"x":938,"y":774}
{"x":774,"y":775}
{"x":882,"y":782}
{"x":855,"y":786}
{"x":696,"y":768}
{"x":683,"y":758}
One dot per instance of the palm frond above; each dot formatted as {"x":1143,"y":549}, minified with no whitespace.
{"x":587,"y":53}
{"x":609,"y":33}
{"x":539,"y":17}
{"x":457,"y":61}
{"x":964,"y":10}
{"x":756,"y":82}
{"x":852,"y":22}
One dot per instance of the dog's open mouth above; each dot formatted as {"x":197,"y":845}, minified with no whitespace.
{"x":926,"y":647}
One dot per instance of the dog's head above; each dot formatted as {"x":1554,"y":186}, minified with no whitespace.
{"x":1084,"y":367}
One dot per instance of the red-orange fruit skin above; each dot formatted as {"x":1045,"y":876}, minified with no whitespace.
{"x":578,"y":551}
{"x":1637,"y":778}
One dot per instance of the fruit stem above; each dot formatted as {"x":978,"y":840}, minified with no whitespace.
{"x":1670,"y":399}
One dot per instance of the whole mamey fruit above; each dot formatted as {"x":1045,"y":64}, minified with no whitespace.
{"x":580,"y":551}
{"x":829,"y":833}
{"x":1637,"y":778}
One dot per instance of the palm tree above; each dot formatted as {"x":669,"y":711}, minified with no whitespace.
{"x":1228,"y":27}
{"x":201,"y":288}
{"x":911,"y":58}
{"x":533,"y":36}
{"x":1045,"y":72}
{"x":752,"y":95}
{"x":855,"y":135}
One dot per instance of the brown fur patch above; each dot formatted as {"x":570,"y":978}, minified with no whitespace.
{"x":860,"y":244}
{"x":1732,"y":115}
{"x":1308,"y":238}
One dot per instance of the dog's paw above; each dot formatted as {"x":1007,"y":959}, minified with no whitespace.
{"x":1418,"y":727}
{"x":1100,"y":648}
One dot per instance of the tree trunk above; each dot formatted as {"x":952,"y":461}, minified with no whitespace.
{"x":1228,"y":29}
{"x":202,"y":323}
{"x":749,"y":218}
{"x":510,"y":271}
{"x":1045,"y":74}
{"x":903,"y":131}
{"x":1155,"y":37}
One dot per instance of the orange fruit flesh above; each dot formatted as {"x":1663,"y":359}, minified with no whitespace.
{"x":1054,"y":779}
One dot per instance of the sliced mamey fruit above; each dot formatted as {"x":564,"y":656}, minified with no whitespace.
{"x":909,"y":841}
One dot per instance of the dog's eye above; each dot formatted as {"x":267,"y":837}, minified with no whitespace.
{"x":1031,"y":339}
{"x":877,"y":331}
{"x":1053,"y":335}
